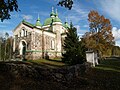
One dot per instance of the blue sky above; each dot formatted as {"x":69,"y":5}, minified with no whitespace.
{"x":78,"y":15}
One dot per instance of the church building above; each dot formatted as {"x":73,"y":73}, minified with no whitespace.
{"x":37,"y":41}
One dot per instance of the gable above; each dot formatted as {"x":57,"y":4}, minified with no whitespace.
{"x":20,"y":27}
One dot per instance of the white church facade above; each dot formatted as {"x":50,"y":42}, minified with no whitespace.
{"x":37,"y":41}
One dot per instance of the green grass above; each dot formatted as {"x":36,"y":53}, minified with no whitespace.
{"x":105,"y":76}
{"x":53,"y":63}
{"x":112,"y":64}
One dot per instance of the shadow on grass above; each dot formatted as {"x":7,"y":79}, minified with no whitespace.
{"x":54,"y":60}
{"x":109,"y":66}
{"x":47,"y":63}
{"x":52,"y":65}
{"x":104,"y":79}
{"x":16,"y":62}
{"x":112,"y":63}
{"x":38,"y":64}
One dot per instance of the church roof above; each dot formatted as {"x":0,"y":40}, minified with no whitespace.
{"x":27,"y":23}
{"x":50,"y":20}
{"x":53,"y":18}
{"x":52,"y":14}
{"x":66,"y":25}
{"x":56,"y":20}
{"x":38,"y":22}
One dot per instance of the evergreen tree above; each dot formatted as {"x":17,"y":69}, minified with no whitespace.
{"x":74,"y":50}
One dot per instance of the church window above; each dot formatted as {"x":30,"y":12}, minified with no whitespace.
{"x":23,"y":33}
{"x":20,"y":34}
{"x":26,"y":33}
{"x":52,"y":44}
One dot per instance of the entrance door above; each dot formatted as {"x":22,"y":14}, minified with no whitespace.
{"x":22,"y":48}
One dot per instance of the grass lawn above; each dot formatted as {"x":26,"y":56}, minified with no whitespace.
{"x":52,"y":63}
{"x":105,"y":76}
{"x":112,"y":64}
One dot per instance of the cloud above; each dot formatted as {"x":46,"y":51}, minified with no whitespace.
{"x":5,"y":22}
{"x":80,"y":11}
{"x":3,"y":26}
{"x":1,"y":34}
{"x":3,"y":31}
{"x":80,"y":31}
{"x":112,"y":8}
{"x":42,"y":13}
{"x":76,"y":14}
{"x":16,"y":15}
{"x":73,"y":18}
{"x":27,"y":17}
{"x":116,"y":33}
{"x":85,"y":26}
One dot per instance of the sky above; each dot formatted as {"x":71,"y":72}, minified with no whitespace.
{"x":29,"y":10}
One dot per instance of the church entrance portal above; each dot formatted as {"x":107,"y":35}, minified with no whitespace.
{"x":22,"y":47}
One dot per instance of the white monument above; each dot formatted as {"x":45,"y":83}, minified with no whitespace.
{"x":92,"y":58}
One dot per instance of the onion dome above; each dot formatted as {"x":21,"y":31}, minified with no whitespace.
{"x":56,"y":20}
{"x":53,"y":18}
{"x":38,"y":22}
{"x":48,"y":21}
{"x":66,"y":25}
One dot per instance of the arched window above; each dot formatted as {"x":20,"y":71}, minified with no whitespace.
{"x":26,"y":33}
{"x":23,"y":32}
{"x":20,"y":34}
{"x":52,"y":44}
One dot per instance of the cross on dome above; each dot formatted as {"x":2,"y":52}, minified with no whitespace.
{"x":52,"y":9}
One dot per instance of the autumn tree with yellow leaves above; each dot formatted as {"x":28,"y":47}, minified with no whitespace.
{"x":100,"y":37}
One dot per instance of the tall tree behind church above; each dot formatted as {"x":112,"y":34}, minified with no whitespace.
{"x":101,"y":31}
{"x":73,"y":49}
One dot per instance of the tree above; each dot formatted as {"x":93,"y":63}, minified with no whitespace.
{"x":74,"y":50}
{"x":7,"y":6}
{"x":66,"y":3}
{"x":100,"y":31}
{"x":6,"y":47}
{"x":6,"y":37}
{"x":116,"y":51}
{"x":89,"y":42}
{"x":9,"y":49}
{"x":2,"y":48}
